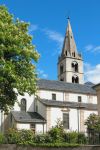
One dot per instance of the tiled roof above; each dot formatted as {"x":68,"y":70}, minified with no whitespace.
{"x":28,"y":117}
{"x":54,"y":103}
{"x":97,"y":85}
{"x":63,"y":86}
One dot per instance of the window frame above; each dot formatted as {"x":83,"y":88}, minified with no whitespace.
{"x":23,"y":105}
{"x":79,"y":99}
{"x":66,"y":121}
{"x":53,"y":96}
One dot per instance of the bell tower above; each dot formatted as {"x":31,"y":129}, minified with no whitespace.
{"x":70,"y":63}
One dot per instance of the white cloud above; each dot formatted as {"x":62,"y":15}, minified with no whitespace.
{"x":42,"y":74}
{"x":89,"y":47}
{"x":92,"y":73}
{"x":55,"y":36}
{"x":97,"y":48}
{"x":92,"y":48}
{"x":51,"y":34}
{"x":33,"y":27}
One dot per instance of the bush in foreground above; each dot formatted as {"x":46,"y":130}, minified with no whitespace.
{"x":56,"y":137}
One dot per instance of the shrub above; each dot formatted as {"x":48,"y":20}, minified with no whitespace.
{"x":75,"y":137}
{"x":26,"y":136}
{"x":48,"y":138}
{"x":12,"y":136}
{"x":2,"y":138}
{"x":40,"y":138}
{"x":82,"y":139}
{"x":66,"y":137}
{"x":56,"y":134}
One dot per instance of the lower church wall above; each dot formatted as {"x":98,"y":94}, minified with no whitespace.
{"x":76,"y":117}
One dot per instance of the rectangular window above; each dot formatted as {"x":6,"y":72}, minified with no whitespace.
{"x":53,"y":96}
{"x":79,"y":99}
{"x":66,"y":120}
{"x":32,"y":127}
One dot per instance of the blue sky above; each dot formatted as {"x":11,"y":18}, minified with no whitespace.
{"x":48,"y":21}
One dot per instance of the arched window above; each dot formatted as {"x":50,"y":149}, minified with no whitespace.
{"x":74,"y":66}
{"x":73,"y":54}
{"x":75,"y":79}
{"x":23,"y":104}
{"x":62,"y":79}
{"x":66,"y":53}
{"x":61,"y":69}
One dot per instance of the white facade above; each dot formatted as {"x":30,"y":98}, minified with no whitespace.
{"x":67,"y":96}
{"x":51,"y":114}
{"x":56,"y":113}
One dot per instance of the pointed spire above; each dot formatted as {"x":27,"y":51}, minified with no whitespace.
{"x":69,"y":45}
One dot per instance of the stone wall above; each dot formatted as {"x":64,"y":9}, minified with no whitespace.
{"x":16,"y":147}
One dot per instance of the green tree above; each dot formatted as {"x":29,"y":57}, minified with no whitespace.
{"x":93,"y":128}
{"x":93,"y":123}
{"x":17,"y":59}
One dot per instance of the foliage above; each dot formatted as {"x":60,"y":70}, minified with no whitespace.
{"x":26,"y":135}
{"x":14,"y":136}
{"x":54,"y":138}
{"x":2,"y":138}
{"x":93,"y":123}
{"x":17,"y":54}
{"x":40,"y":138}
{"x":53,"y":145}
{"x":75,"y":137}
{"x":82,"y":139}
{"x":56,"y":134}
{"x":72,"y":137}
{"x":93,"y":128}
{"x":59,"y":124}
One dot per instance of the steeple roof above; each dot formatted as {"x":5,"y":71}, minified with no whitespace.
{"x":69,"y":45}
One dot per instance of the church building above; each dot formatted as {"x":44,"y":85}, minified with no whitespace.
{"x":68,"y":99}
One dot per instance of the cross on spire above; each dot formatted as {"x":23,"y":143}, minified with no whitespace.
{"x":68,"y":18}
